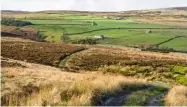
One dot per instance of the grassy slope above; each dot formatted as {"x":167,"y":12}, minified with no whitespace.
{"x":66,"y":88}
{"x":58,"y":88}
{"x":153,"y":66}
{"x":38,"y":88}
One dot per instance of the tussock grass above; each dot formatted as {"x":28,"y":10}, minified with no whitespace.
{"x":92,"y":90}
{"x":36,"y":85}
{"x":177,"y":96}
{"x":29,"y":95}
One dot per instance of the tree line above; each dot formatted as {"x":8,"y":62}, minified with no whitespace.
{"x":14,"y":22}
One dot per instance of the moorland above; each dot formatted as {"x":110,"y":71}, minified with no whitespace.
{"x":79,"y":58}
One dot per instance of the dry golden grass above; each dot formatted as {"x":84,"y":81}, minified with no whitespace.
{"x":177,"y":96}
{"x":15,"y":39}
{"x":35,"y":85}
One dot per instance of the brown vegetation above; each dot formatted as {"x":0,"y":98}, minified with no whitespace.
{"x":30,"y":84}
{"x":177,"y":96}
{"x":178,"y":22}
{"x":22,"y":32}
{"x":44,"y":53}
{"x":153,"y":66}
{"x":94,"y":58}
{"x":15,"y":39}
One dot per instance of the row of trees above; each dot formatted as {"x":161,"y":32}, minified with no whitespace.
{"x":65,"y":38}
{"x":85,"y":41}
{"x":14,"y":22}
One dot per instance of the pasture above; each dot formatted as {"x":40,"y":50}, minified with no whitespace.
{"x":125,"y":32}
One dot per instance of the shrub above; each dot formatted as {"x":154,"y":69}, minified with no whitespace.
{"x":181,"y":80}
{"x":65,"y":37}
{"x":179,"y":69}
{"x":85,"y":41}
{"x":159,"y":49}
{"x":14,"y":22}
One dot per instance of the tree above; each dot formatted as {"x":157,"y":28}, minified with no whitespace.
{"x":94,"y":24}
{"x":40,"y":37}
{"x":65,"y":37}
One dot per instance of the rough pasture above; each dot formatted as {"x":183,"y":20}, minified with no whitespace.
{"x":44,"y":53}
{"x":153,"y":66}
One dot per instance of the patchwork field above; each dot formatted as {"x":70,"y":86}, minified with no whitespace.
{"x":129,"y":31}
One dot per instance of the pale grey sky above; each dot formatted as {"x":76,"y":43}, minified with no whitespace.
{"x":88,"y":5}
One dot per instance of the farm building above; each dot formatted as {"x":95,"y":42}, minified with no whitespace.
{"x":148,"y":31}
{"x":99,"y":37}
{"x":106,"y":17}
{"x":118,"y":18}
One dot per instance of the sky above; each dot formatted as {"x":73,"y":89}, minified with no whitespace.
{"x":89,"y":5}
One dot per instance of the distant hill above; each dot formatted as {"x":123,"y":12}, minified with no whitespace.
{"x":172,"y":11}
{"x":74,"y":11}
{"x":13,"y":11}
{"x":180,"y":8}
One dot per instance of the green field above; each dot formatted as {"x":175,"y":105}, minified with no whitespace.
{"x":125,"y":32}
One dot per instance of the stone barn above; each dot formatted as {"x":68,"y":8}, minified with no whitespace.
{"x":148,"y":31}
{"x":106,"y":17}
{"x":99,"y":37}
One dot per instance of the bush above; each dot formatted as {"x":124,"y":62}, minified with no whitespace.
{"x":159,"y":49}
{"x":14,"y":22}
{"x":181,"y":80}
{"x":65,"y":37}
{"x":85,"y":41}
